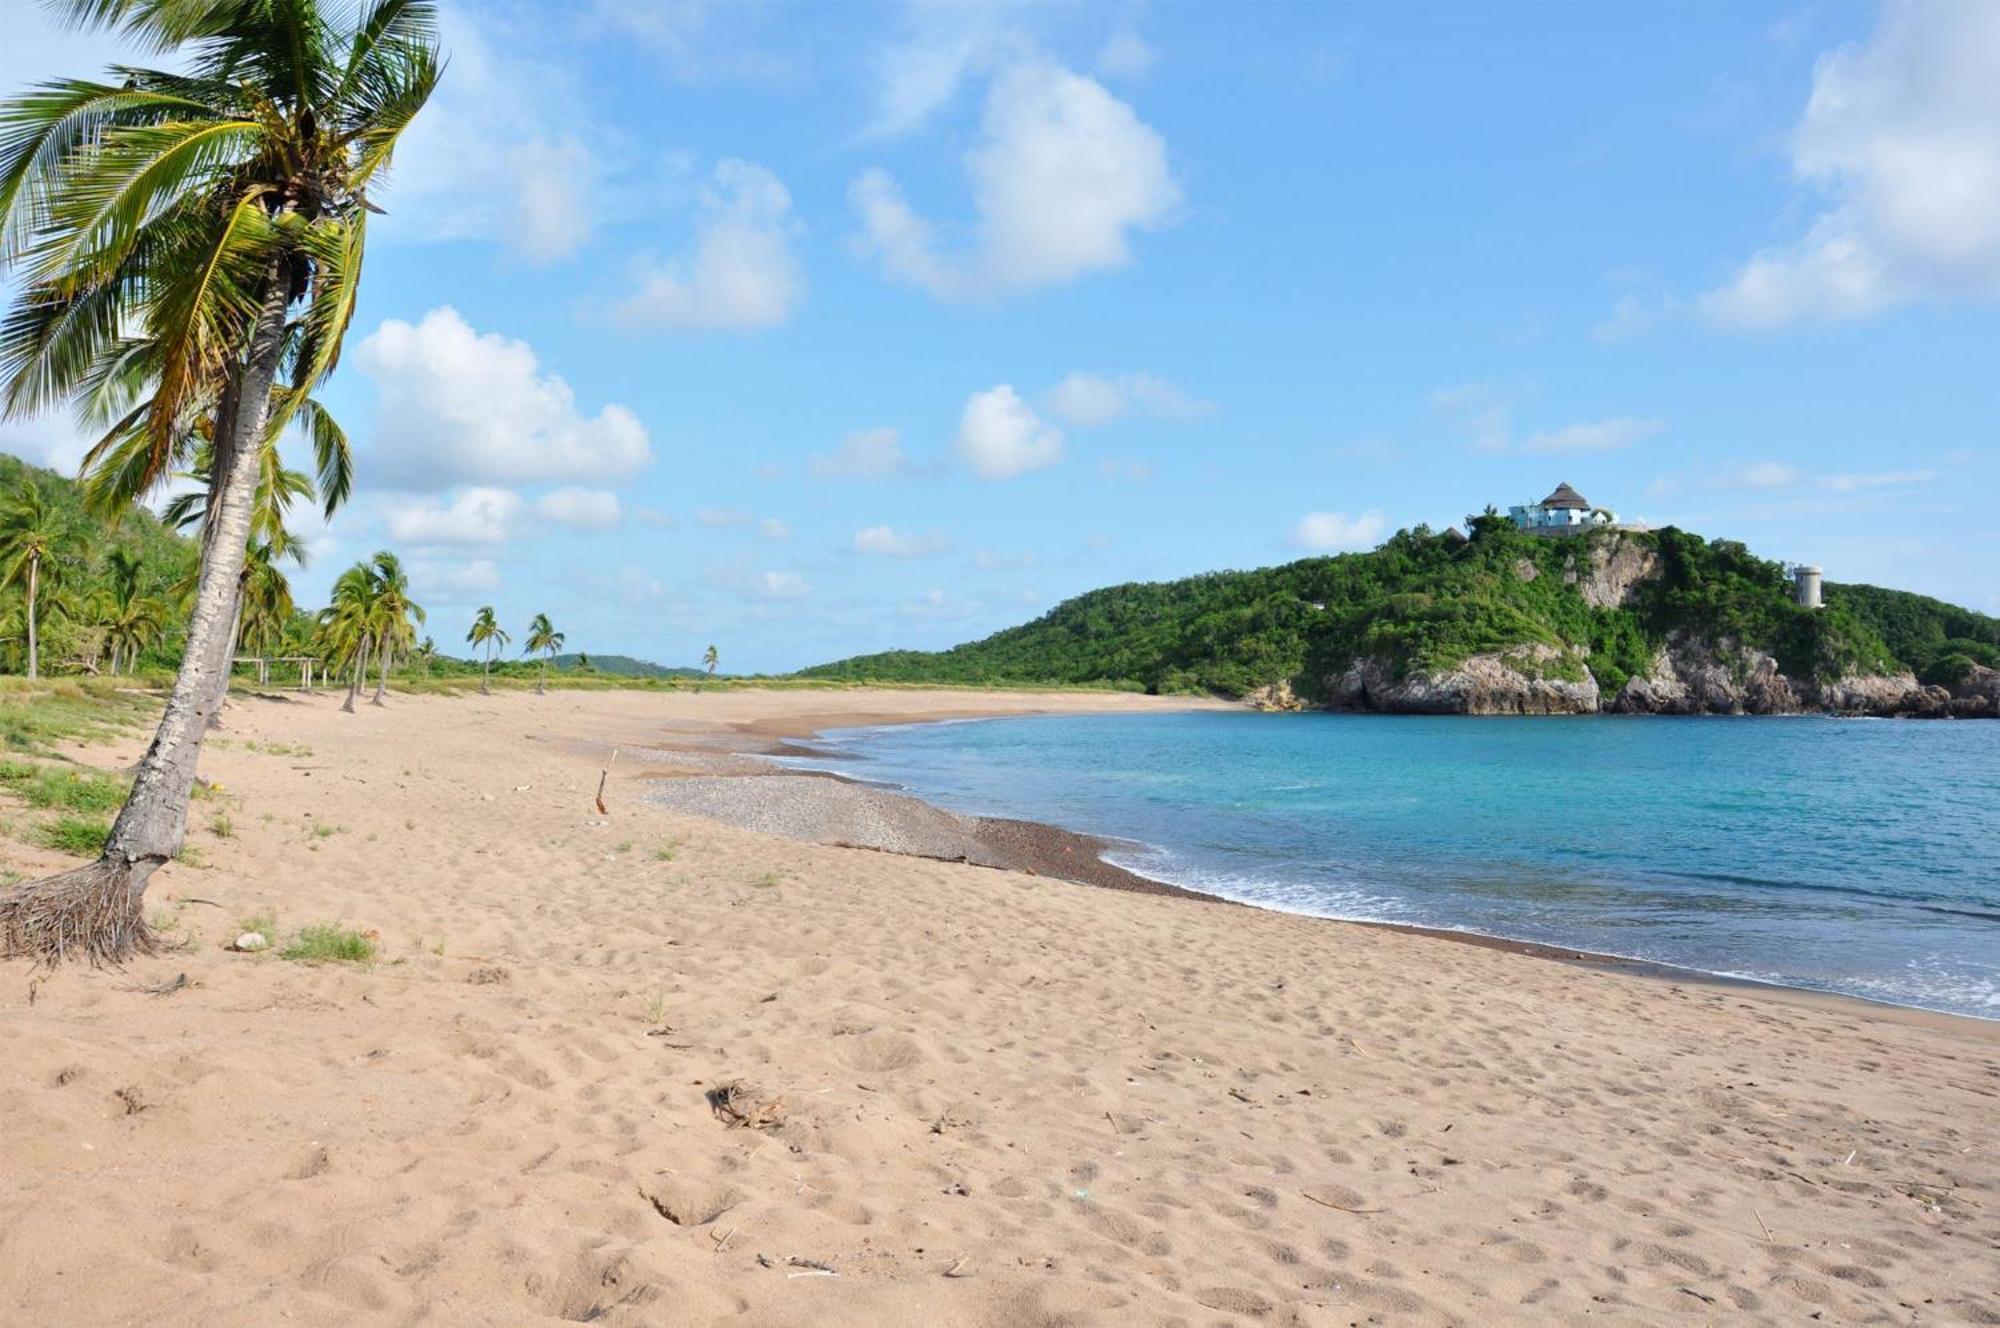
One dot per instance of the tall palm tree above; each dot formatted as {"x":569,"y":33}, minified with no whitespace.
{"x":709,"y":659}
{"x":397,"y":615}
{"x":35,"y":535}
{"x":487,"y":633}
{"x":543,"y":638}
{"x":179,"y":240}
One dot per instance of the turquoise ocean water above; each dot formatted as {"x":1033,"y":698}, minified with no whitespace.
{"x":1855,"y":856}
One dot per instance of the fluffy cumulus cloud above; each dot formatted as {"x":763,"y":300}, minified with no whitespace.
{"x":1061,"y":175}
{"x":741,"y":274}
{"x":579,"y":508}
{"x":888,"y":542}
{"x":1088,"y":400}
{"x":476,"y":515}
{"x":460,"y":406}
{"x":1609,"y":435}
{"x":1000,"y":436}
{"x":866,"y":454}
{"x":1324,"y":531}
{"x":1900,"y":146}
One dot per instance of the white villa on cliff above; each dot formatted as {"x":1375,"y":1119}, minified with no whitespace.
{"x":1564,"y":512}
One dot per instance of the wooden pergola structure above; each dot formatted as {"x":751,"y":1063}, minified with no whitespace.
{"x":264,"y":663}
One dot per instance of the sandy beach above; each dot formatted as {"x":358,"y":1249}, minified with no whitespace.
{"x":648,"y":1067}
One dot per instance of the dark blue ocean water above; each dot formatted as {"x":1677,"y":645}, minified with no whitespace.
{"x":1856,"y":856}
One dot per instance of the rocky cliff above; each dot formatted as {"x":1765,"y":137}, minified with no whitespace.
{"x":1689,"y":676}
{"x":1533,"y":680}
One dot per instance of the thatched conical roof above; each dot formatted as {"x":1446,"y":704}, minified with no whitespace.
{"x":1564,"y":496}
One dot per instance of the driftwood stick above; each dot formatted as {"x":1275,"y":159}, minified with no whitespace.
{"x":1328,"y":1203}
{"x":603,"y":775}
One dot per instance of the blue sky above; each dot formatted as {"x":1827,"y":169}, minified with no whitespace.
{"x":809,"y":330}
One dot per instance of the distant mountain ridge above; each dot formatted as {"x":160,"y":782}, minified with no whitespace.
{"x":1498,"y":621}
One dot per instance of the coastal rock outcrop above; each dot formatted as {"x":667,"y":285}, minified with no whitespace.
{"x":1274,"y":696}
{"x":1612,"y":570}
{"x":1690,"y":676}
{"x":1531,"y":680}
{"x":1870,"y":694}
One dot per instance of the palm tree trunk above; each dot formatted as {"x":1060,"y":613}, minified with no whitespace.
{"x":486,"y":675}
{"x":388,"y":657}
{"x":34,"y":643}
{"x":542,"y":680}
{"x":96,"y":911}
{"x":354,"y":679}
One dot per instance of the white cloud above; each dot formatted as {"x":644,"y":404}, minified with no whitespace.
{"x":476,"y":576}
{"x":478,"y":515}
{"x":866,"y":454}
{"x":456,"y":405}
{"x":484,"y":161}
{"x":771,"y":528}
{"x":781,"y":585}
{"x":1337,"y":530}
{"x":1126,"y":55}
{"x":1775,"y":476}
{"x":1900,"y":142}
{"x":51,"y":440}
{"x":888,"y":542}
{"x":720,"y":518}
{"x":1758,"y":475}
{"x":1061,"y":173}
{"x":1000,"y":436}
{"x":580,"y":509}
{"x":1887,"y":479}
{"x":741,"y":275}
{"x":1088,"y":400}
{"x":1609,"y":435}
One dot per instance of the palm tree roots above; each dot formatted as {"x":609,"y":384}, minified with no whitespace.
{"x":90,"y":914}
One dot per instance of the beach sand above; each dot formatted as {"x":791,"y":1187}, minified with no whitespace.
{"x":650,"y":1068}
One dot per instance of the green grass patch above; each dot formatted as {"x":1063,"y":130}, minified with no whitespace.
{"x":83,"y":836}
{"x":59,"y":788}
{"x":330,"y":943}
{"x":222,"y":827}
{"x":36,"y":716}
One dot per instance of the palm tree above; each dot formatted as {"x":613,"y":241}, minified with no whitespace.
{"x":348,"y":626}
{"x":35,"y":535}
{"x":543,"y":637}
{"x":181,"y":239}
{"x":709,"y":660}
{"x":487,"y":633}
{"x":395,"y":612}
{"x":266,"y":607}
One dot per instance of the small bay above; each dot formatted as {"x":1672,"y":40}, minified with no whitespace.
{"x":1851,"y":856}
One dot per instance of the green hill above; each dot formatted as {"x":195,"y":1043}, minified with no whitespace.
{"x":1426,"y":603}
{"x":624,"y":666}
{"x":86,"y":602}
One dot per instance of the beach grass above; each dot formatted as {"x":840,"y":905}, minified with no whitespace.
{"x":60,"y":788}
{"x":330,"y":943}
{"x":36,"y":715}
{"x":83,"y":836}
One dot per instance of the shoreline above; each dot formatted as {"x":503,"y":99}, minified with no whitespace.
{"x":1040,"y":848}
